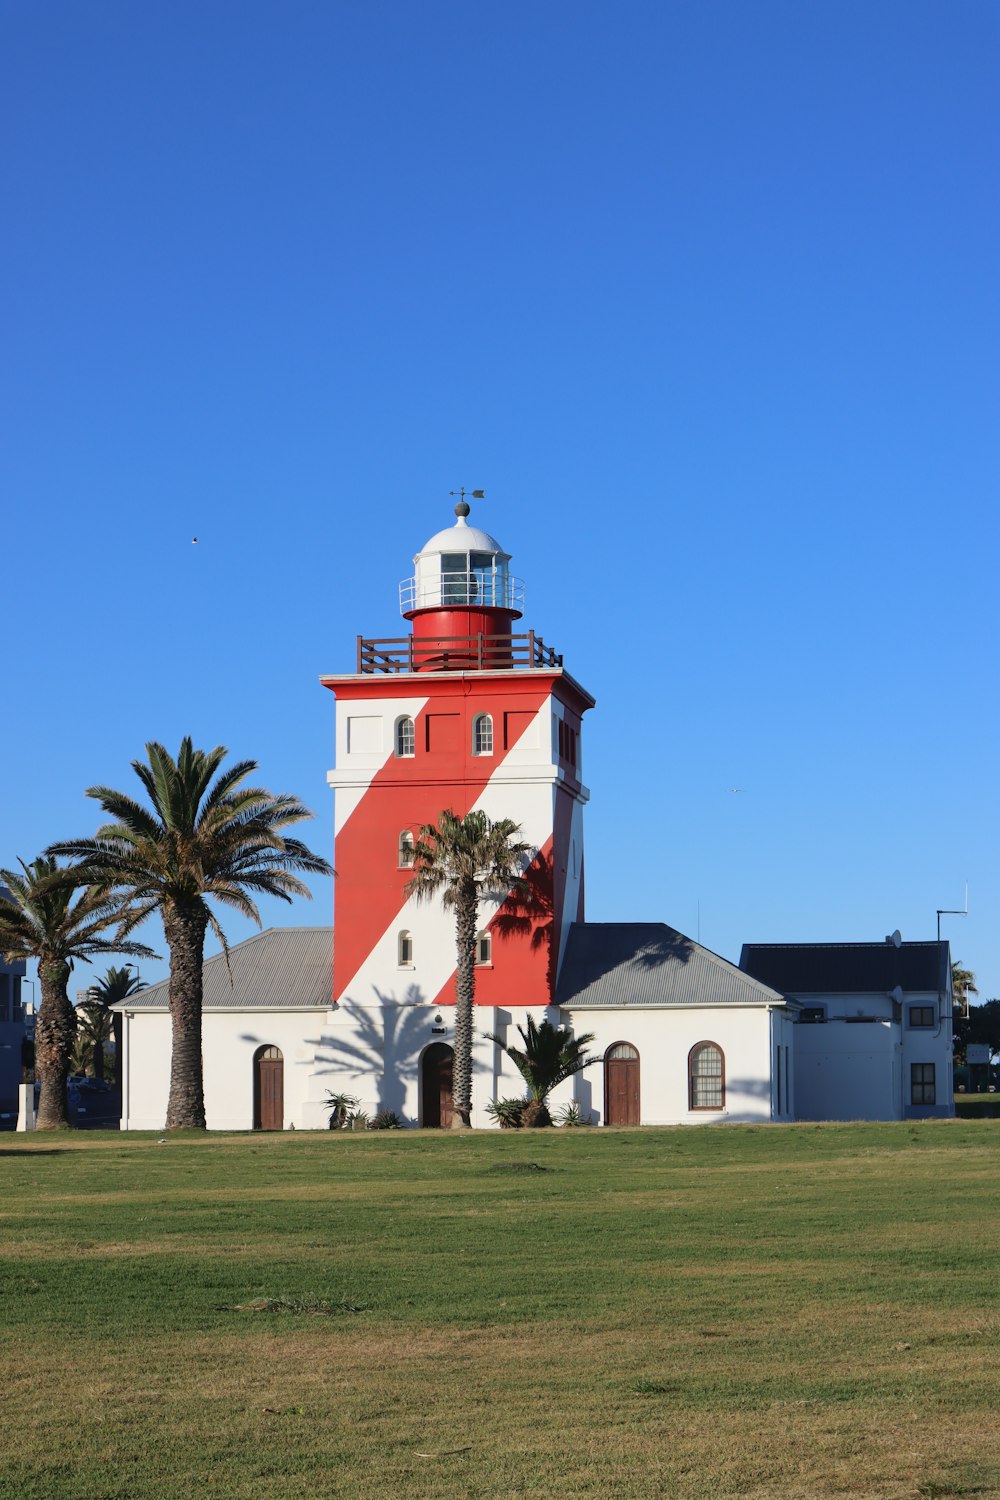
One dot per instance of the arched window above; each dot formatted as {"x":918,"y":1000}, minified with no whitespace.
{"x":484,"y":949}
{"x":706,"y":1077}
{"x":405,"y":949}
{"x":406,"y":843}
{"x":406,"y":737}
{"x":482,"y":735}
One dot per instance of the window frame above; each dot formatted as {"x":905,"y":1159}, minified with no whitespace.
{"x":923,"y":1085}
{"x":404,"y":945}
{"x":483,"y":720}
{"x":928,"y":1025}
{"x":400,"y":735}
{"x":484,"y":939}
{"x":405,"y":845}
{"x":693,"y":1055}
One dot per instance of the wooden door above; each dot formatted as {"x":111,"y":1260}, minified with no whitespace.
{"x":621,"y":1085}
{"x":436,"y":1079}
{"x":269,"y":1089}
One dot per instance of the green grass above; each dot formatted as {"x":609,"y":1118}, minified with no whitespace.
{"x":769,"y":1312}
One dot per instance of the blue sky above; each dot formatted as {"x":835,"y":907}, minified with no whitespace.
{"x":705,"y":295}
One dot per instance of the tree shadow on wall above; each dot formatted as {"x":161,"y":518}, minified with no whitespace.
{"x":384,"y":1044}
{"x":532,"y":912}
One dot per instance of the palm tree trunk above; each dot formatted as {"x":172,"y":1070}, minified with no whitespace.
{"x":184,"y":929}
{"x":466,"y":912}
{"x":54,"y":1034}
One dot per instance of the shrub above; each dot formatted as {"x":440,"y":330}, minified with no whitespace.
{"x":340,"y":1107}
{"x":507,"y":1112}
{"x":386,"y":1119}
{"x":572,"y":1114}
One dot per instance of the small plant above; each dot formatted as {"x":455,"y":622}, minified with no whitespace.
{"x":340,"y":1107}
{"x":507,"y":1112}
{"x":572,"y":1114}
{"x":357,"y":1120}
{"x":386,"y":1119}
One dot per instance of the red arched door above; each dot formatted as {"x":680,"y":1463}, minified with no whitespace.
{"x":621,"y":1085}
{"x":268,"y":1089}
{"x":435,"y":1078}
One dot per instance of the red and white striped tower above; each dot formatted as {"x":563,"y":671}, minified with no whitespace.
{"x":462,"y":713}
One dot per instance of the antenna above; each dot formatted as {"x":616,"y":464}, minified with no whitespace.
{"x":952,"y":911}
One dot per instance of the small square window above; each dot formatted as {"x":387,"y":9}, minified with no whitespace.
{"x":921,"y":1015}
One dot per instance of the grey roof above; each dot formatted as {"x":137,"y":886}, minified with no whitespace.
{"x":284,"y":968}
{"x":849,"y":968}
{"x":649,"y":964}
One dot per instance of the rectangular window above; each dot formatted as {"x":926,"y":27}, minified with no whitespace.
{"x":922,"y":1088}
{"x":777,"y":1064}
{"x":921,"y":1015}
{"x":812,"y":1015}
{"x":454,"y":578}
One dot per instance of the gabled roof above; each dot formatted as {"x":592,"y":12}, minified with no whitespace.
{"x":649,"y":964}
{"x":284,"y":968}
{"x":849,"y":968}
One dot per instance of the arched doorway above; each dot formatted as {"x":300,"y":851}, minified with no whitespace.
{"x":621,"y":1085}
{"x":435,"y":1079}
{"x":268,"y":1089}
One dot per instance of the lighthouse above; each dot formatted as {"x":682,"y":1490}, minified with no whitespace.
{"x":465,"y":711}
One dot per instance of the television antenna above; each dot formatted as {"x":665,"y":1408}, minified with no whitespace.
{"x":952,"y":911}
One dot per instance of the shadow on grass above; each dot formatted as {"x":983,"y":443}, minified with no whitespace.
{"x":39,"y":1151}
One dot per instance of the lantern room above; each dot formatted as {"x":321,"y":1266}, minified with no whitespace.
{"x":462,"y":600}
{"x":461,"y":568}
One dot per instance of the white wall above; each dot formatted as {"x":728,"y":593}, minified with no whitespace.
{"x":848,"y":1072}
{"x":851,"y":1069}
{"x":229,"y":1041}
{"x":663,"y":1039}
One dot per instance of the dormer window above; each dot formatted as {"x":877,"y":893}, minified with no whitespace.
{"x":406,"y":737}
{"x":482,"y":735}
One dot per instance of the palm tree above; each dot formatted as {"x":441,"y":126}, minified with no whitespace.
{"x":462,"y":860}
{"x":963,"y":984}
{"x":549,"y":1056}
{"x":201,"y":839}
{"x":39,"y":919}
{"x":94,"y":1015}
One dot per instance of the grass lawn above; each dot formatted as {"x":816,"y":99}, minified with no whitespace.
{"x":783,"y":1311}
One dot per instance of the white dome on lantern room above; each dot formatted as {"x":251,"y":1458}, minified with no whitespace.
{"x":461,"y":567}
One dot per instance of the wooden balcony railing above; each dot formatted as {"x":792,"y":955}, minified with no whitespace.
{"x":454,"y":653}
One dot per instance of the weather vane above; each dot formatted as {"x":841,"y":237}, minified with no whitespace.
{"x":462,"y":508}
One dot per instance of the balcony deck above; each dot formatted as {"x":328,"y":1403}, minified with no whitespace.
{"x":455,"y":653}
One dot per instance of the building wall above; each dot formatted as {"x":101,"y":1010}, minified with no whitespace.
{"x":229,"y":1041}
{"x":664,"y":1039}
{"x":12,"y":1034}
{"x":857,"y":1065}
{"x":532,"y":777}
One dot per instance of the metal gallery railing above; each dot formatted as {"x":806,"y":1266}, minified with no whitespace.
{"x":454,"y":653}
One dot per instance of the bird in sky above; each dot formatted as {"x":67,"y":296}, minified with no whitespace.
{"x":737,"y":788}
